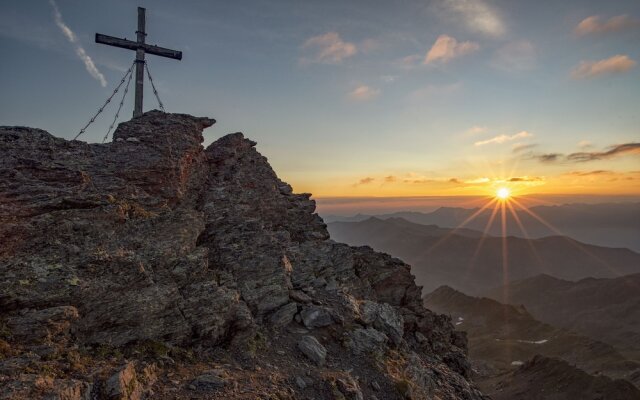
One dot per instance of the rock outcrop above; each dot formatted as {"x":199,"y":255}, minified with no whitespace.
{"x":151,"y":267}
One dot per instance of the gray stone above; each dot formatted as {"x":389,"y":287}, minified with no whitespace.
{"x":312,"y":349}
{"x":316,"y":317}
{"x":366,"y":341}
{"x":384,"y":318}
{"x":284,"y":315}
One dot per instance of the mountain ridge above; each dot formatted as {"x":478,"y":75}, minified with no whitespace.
{"x":151,"y":267}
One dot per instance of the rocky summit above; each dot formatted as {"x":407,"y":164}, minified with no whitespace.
{"x":151,"y":267}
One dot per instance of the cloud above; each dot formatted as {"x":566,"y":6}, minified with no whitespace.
{"x":364,"y":181}
{"x":363,"y":93}
{"x":616,"y":64}
{"x":476,"y":130}
{"x":522,"y":147}
{"x":504,"y":138}
{"x":455,"y":180}
{"x":515,"y":56}
{"x":447,"y":48}
{"x":526,"y":179}
{"x":89,"y":65}
{"x":613,"y":151}
{"x":548,"y":157}
{"x":585,"y":144}
{"x":329,"y":48}
{"x":589,"y":173}
{"x":389,"y":78}
{"x":593,"y":25}
{"x":390,"y":179}
{"x":478,"y":16}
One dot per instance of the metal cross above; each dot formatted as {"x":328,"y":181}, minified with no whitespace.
{"x":140,"y":48}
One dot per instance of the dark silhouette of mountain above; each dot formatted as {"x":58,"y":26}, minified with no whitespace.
{"x":463,"y":260}
{"x":605,"y":309}
{"x":544,"y":378}
{"x":605,"y":224}
{"x":503,"y":336}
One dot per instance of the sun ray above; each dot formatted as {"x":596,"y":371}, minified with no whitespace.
{"x":528,"y":238}
{"x":566,"y":238}
{"x":476,"y":253}
{"x":461,"y":225}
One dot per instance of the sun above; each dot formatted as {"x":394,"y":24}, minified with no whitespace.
{"x":503,"y":193}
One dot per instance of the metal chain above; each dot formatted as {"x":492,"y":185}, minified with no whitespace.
{"x":124,"y":94}
{"x":155,"y":92}
{"x":105,"y":103}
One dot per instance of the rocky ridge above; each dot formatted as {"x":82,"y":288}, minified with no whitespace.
{"x":151,"y":267}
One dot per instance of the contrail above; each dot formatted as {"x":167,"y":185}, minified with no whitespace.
{"x":73,"y":39}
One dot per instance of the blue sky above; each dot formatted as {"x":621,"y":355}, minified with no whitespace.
{"x":361,"y":98}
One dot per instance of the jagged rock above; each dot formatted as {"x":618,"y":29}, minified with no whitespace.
{"x":310,"y":347}
{"x":42,"y":325}
{"x":123,"y":385}
{"x":153,"y":239}
{"x":284,"y":315}
{"x":366,"y":341}
{"x":299,"y":296}
{"x":384,"y":318}
{"x":349,"y":389}
{"x":316,"y":317}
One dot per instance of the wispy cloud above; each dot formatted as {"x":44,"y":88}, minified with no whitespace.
{"x":589,"y":173}
{"x":446,"y":48}
{"x":476,"y":130}
{"x":547,"y":158}
{"x":593,"y":24}
{"x":526,"y":179}
{"x":616,"y":64}
{"x":80,"y":52}
{"x":328,"y":49}
{"x":363,"y":93}
{"x":478,"y":16}
{"x":613,"y":151}
{"x":364,"y":181}
{"x":585,"y":144}
{"x":504,"y":138}
{"x":515,"y":56}
{"x":390,"y":179}
{"x":522,"y":147}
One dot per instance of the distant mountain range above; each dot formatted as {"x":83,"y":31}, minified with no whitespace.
{"x":605,"y":224}
{"x":604,"y":309}
{"x":464,"y":261}
{"x":503,"y":337}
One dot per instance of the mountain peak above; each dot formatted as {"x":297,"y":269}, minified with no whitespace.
{"x":156,"y":251}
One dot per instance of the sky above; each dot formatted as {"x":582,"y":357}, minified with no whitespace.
{"x":402,"y":99}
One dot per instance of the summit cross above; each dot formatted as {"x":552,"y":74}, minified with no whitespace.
{"x":140,"y":48}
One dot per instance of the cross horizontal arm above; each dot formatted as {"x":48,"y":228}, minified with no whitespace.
{"x":131,"y":45}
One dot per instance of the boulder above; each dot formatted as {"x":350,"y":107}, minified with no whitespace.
{"x":316,"y":317}
{"x":312,"y":349}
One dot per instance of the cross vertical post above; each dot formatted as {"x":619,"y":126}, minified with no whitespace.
{"x":137,"y":109}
